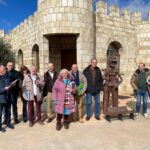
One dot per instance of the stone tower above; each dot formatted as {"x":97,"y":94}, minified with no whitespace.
{"x":69,"y":31}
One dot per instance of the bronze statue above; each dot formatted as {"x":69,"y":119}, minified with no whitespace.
{"x":112,"y":79}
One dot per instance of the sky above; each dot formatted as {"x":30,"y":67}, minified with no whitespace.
{"x":13,"y":12}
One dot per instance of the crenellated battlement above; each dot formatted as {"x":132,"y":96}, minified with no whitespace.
{"x":28,"y":21}
{"x":86,"y":4}
{"x":116,"y":12}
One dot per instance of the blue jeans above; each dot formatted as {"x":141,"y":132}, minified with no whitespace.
{"x":89,"y":102}
{"x":24,"y":110}
{"x":144,"y":95}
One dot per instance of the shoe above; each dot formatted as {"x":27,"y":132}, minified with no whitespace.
{"x":136,"y":114}
{"x":40,"y":123}
{"x":81,"y":120}
{"x":25,"y":120}
{"x":31,"y":124}
{"x":87,"y":118}
{"x":2,"y":130}
{"x":97,"y":118}
{"x":10,"y":126}
{"x":49,"y":120}
{"x":4,"y":122}
{"x":16,"y":121}
{"x":58,"y":126}
{"x":146,"y":116}
{"x":66,"y":125}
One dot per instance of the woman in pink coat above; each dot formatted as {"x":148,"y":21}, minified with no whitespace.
{"x":63,"y":91}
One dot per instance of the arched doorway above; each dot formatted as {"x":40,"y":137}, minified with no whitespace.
{"x":20,"y":58}
{"x":113,"y":51}
{"x":35,"y":56}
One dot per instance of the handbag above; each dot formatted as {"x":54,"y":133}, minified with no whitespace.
{"x":26,"y":95}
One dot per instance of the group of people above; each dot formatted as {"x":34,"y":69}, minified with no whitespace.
{"x":64,"y":93}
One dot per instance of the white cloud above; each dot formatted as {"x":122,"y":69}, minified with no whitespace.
{"x":3,"y":2}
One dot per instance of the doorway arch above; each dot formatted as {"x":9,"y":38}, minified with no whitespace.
{"x":35,"y":56}
{"x":20,"y":58}
{"x":113,"y":51}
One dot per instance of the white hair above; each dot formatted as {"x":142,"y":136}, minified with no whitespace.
{"x":63,"y":71}
{"x":32,"y":66}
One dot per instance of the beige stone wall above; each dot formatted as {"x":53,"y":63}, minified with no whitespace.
{"x":53,"y":17}
{"x":95,"y":30}
{"x":2,"y":33}
{"x":143,"y":37}
{"x":115,"y":27}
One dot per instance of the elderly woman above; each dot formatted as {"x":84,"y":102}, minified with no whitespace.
{"x":22,"y":73}
{"x":63,"y":91}
{"x":33,"y":84}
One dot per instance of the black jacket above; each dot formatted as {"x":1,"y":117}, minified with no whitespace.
{"x":13,"y":75}
{"x":49,"y":82}
{"x":4,"y":81}
{"x":93,"y":88}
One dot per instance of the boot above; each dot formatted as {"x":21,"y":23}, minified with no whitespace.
{"x":66,"y":124}
{"x":58,"y":126}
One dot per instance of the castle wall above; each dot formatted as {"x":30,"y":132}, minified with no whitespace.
{"x":57,"y":17}
{"x":118,"y":27}
{"x":143,"y":39}
{"x":95,"y":30}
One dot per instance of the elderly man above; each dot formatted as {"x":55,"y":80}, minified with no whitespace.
{"x":141,"y":87}
{"x":33,"y":84}
{"x":94,"y":84}
{"x":13,"y":93}
{"x":81,"y":83}
{"x":49,"y":77}
{"x":4,"y":88}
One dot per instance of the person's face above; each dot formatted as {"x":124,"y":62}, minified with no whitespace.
{"x":33,"y":70}
{"x":141,"y":67}
{"x":51,"y":67}
{"x":10,"y":66}
{"x":2,"y":70}
{"x":65,"y":75}
{"x":94,"y":63}
{"x":24,"y":72}
{"x":74,"y":68}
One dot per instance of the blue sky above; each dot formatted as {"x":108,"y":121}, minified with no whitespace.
{"x":12,"y":12}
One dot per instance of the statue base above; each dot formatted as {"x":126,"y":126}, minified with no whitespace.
{"x":119,"y":112}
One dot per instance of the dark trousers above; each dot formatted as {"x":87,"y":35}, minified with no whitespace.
{"x":60,"y":116}
{"x":24,"y":110}
{"x":31,"y":110}
{"x":2,"y":106}
{"x":12,"y":101}
{"x":7,"y":112}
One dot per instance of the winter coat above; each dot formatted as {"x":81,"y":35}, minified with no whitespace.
{"x":58,"y":94}
{"x":82,"y":80}
{"x":97,"y":86}
{"x":14,"y":75}
{"x":4,"y":81}
{"x":49,"y":82}
{"x":134,"y":79}
{"x":28,"y":86}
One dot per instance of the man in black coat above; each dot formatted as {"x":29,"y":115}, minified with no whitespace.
{"x":4,"y":88}
{"x":49,"y":77}
{"x":13,"y":93}
{"x":94,"y":85}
